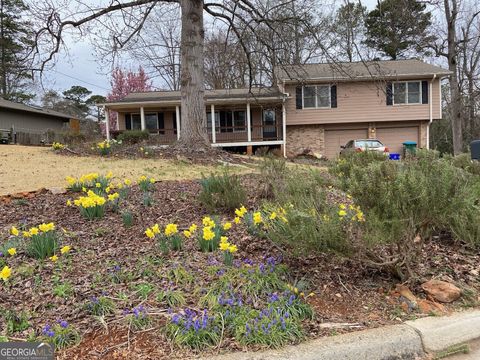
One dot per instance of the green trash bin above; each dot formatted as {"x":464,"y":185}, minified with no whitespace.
{"x":409,"y":148}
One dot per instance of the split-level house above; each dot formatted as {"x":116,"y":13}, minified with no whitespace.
{"x":314,"y":108}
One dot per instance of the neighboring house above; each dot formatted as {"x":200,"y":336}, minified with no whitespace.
{"x":20,"y":118}
{"x":319,"y":107}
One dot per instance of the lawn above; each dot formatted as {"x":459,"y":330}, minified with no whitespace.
{"x":272,"y":259}
{"x":28,"y":168}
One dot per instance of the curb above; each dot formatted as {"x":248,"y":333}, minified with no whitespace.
{"x":411,"y":340}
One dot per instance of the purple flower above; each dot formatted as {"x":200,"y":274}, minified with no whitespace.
{"x":176,"y":319}
{"x":1,"y":254}
{"x":46,"y":329}
{"x":247,"y":329}
{"x":50,"y":333}
{"x":95,"y":300}
{"x":63,"y":324}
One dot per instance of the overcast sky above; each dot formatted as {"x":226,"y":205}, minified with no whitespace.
{"x":80,"y":67}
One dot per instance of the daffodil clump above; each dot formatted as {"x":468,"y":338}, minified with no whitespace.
{"x":228,"y":250}
{"x":210,"y":235}
{"x":170,"y":238}
{"x":351,"y":212}
{"x":57,"y":146}
{"x":91,"y":206}
{"x":104,"y":147}
{"x":146,"y":184}
{"x":92,"y":181}
{"x":42,"y":240}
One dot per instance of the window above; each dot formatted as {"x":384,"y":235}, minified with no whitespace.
{"x":317,"y":96}
{"x":151,"y":121}
{"x":228,"y":121}
{"x":133,"y":122}
{"x":408,"y":92}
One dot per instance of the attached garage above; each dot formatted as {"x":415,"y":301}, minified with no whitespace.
{"x":394,"y":137}
{"x":335,"y":138}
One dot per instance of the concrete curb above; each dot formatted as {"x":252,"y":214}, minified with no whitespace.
{"x":390,"y":342}
{"x":397,"y":342}
{"x":440,"y":333}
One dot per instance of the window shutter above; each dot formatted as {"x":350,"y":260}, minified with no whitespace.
{"x":333,"y":96}
{"x":424,"y":92}
{"x":298,"y":95}
{"x":389,"y":92}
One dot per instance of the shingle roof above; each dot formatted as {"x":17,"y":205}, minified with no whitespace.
{"x":382,"y":69}
{"x":38,"y":110}
{"x":152,"y":96}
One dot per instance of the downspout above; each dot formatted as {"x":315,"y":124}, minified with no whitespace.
{"x":430,"y":95}
{"x":284,"y":119}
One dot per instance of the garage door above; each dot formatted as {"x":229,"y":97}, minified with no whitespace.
{"x":393,"y":138}
{"x":336,"y":138}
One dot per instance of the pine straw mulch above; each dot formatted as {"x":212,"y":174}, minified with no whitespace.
{"x":348,"y":296}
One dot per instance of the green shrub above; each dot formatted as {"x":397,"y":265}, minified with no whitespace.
{"x":133,"y":136}
{"x":222,"y":192}
{"x":43,"y":244}
{"x":464,"y":161}
{"x":408,"y":202}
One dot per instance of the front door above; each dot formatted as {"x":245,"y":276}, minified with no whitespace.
{"x":269,"y":124}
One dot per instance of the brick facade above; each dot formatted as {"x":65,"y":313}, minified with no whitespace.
{"x":305,"y":139}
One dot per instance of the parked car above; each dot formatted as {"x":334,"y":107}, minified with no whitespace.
{"x":361,"y":145}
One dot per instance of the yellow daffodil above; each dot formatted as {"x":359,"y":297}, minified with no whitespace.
{"x":70,"y":180}
{"x":156,"y":229}
{"x":128,"y":182}
{"x":171,"y":229}
{"x":208,"y":234}
{"x":273,"y":215}
{"x":224,"y":246}
{"x":113,"y":197}
{"x":46,"y":227}
{"x":26,"y":234}
{"x":187,"y":234}
{"x":227,"y":226}
{"x":223,"y":239}
{"x":5,"y":273}
{"x":14,"y":231}
{"x":65,"y":250}
{"x":232,"y":248}
{"x":193,"y":228}
{"x":54,"y":258}
{"x":98,"y":185}
{"x":236,"y":220}
{"x":34,"y":231}
{"x":12,"y":251}
{"x":257,"y":218}
{"x":108,"y":189}
{"x":208,"y":222}
{"x":342,"y":206}
{"x":241,"y":212}
{"x":152,"y":181}
{"x":109,"y":175}
{"x":84,"y":189}
{"x":342,"y":213}
{"x":69,"y":203}
{"x":150,"y":234}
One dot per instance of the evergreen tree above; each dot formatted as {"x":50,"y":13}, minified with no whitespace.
{"x":395,"y":27}
{"x":15,"y":45}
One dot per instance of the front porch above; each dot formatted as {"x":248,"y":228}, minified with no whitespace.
{"x":235,"y":123}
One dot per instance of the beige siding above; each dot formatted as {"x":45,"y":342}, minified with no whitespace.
{"x":361,"y":102}
{"x":30,"y":122}
{"x":334,"y":139}
{"x":394,"y":137}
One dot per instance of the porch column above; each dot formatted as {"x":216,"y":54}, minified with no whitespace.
{"x":177,"y":120}
{"x":249,"y":124}
{"x":142,"y":118}
{"x":284,"y":129}
{"x":212,"y":118}
{"x":107,"y":122}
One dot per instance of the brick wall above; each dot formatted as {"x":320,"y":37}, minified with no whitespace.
{"x":305,"y":139}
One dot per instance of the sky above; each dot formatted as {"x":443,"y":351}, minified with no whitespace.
{"x":81,"y":67}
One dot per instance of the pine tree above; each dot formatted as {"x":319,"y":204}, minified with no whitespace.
{"x":396,"y":27}
{"x":15,"y":45}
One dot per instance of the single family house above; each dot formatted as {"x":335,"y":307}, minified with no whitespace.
{"x":314,"y":108}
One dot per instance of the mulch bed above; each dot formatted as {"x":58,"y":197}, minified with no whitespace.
{"x":348,"y":296}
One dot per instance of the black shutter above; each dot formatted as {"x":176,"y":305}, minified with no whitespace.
{"x":298,"y":95}
{"x":161,"y":123}
{"x":424,"y":92}
{"x":333,"y":96}
{"x":128,"y":121}
{"x":389,"y":92}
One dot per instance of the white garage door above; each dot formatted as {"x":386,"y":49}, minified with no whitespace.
{"x":394,"y":138}
{"x":336,"y":138}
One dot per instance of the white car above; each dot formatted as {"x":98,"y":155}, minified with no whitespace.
{"x":361,"y":145}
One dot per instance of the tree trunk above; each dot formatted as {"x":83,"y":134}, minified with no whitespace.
{"x":193,"y":133}
{"x":456,"y":100}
